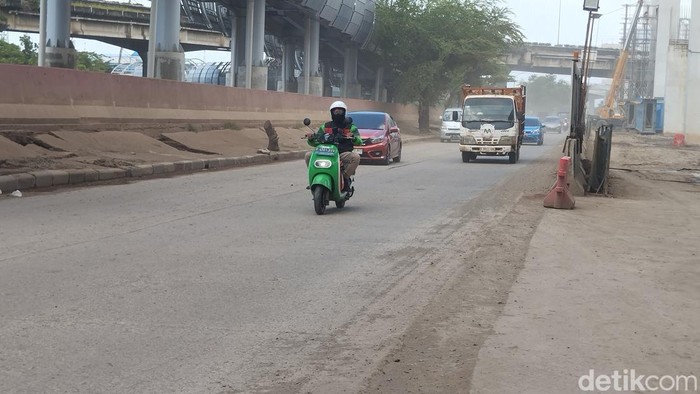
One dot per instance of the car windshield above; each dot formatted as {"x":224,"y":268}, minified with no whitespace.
{"x":372,"y":121}
{"x":532,"y":122}
{"x":452,"y":116}
{"x":483,"y":109}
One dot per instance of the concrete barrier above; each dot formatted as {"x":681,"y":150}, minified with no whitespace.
{"x":33,"y":96}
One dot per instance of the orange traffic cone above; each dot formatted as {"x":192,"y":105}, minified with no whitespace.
{"x":679,"y":139}
{"x":560,"y":196}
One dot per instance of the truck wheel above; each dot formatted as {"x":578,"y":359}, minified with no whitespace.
{"x":466,"y":156}
{"x":512,"y":157}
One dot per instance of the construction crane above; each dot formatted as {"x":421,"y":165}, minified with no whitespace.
{"x":610,"y":109}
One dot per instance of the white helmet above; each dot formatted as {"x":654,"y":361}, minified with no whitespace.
{"x":338,"y":104}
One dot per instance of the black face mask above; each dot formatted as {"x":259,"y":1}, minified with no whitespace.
{"x":339,"y":120}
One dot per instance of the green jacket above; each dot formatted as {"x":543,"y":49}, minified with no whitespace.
{"x":344,"y":144}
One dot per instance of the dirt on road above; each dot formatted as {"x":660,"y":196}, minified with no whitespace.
{"x":544,"y":296}
{"x":530,"y":298}
{"x":26,"y":151}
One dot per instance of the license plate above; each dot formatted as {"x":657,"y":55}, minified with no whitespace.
{"x":358,"y":151}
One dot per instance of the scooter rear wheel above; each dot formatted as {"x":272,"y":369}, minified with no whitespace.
{"x":320,"y":197}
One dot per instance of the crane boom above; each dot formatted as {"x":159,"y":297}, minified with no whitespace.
{"x":607,"y":110}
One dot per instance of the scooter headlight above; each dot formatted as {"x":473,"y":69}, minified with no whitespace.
{"x":323,"y":164}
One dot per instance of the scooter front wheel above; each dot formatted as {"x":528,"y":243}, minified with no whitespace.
{"x":320,"y":194}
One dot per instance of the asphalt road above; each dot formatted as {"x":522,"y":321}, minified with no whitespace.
{"x":225,"y":281}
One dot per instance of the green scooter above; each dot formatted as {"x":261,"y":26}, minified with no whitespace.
{"x":325,"y":175}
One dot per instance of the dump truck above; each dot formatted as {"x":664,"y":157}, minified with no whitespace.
{"x":493,"y":122}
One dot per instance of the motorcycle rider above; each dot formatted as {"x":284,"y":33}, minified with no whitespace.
{"x":345,"y":134}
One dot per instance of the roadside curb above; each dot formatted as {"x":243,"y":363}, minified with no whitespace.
{"x":53,"y":178}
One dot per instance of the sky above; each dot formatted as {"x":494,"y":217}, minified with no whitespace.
{"x":541,"y":22}
{"x":545,"y":21}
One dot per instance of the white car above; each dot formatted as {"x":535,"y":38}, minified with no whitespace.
{"x":451,"y":121}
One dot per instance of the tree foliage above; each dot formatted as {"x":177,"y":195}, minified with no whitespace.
{"x":10,"y":53}
{"x":432,"y":46}
{"x":29,"y":50}
{"x":27,"y":53}
{"x":547,"y":95}
{"x":91,"y":61}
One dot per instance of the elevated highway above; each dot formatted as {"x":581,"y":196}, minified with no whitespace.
{"x":209,"y":27}
{"x":557,"y":59}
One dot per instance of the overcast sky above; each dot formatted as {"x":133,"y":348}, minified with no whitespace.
{"x":564,"y":21}
{"x":545,"y":21}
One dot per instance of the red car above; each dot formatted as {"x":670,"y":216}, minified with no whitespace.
{"x":381,"y":137}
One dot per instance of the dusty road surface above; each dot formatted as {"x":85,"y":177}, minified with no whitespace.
{"x":438,"y":276}
{"x":608,"y":287}
{"x":228,"y":280}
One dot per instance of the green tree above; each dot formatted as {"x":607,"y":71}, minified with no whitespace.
{"x":29,"y":50}
{"x":15,"y":54}
{"x":547,"y":95}
{"x":10,"y":53}
{"x":3,"y":23}
{"x":27,"y":53}
{"x":91,"y":61}
{"x":432,"y":46}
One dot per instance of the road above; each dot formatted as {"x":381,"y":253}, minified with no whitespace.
{"x":228,"y":281}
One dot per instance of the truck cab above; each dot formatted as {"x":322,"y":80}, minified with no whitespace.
{"x":493,"y":123}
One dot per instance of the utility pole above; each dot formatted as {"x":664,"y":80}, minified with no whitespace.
{"x":559,"y":23}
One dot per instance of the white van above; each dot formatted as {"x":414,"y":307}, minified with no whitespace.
{"x":451,"y":121}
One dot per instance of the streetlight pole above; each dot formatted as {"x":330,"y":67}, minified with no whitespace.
{"x":559,"y":23}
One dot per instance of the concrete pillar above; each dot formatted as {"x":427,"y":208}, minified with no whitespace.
{"x":288,"y":62}
{"x":259,"y":69}
{"x":231,"y":77}
{"x":169,"y":56}
{"x":150,"y":60}
{"x":306,"y":67}
{"x":379,"y":84}
{"x":315,"y":35}
{"x":43,"y":6}
{"x":315,"y":78}
{"x":667,"y":22}
{"x":59,"y":49}
{"x":249,"y":19}
{"x":312,"y":80}
{"x":351,"y":88}
{"x":675,"y":90}
{"x":692,"y":128}
{"x":241,"y":50}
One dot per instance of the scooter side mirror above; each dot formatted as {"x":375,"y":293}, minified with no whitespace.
{"x":307,"y":121}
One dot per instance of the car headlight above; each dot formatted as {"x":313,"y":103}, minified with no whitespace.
{"x":506,"y":140}
{"x":443,"y":128}
{"x":467,"y":139}
{"x":376,"y":140}
{"x":323,"y":164}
